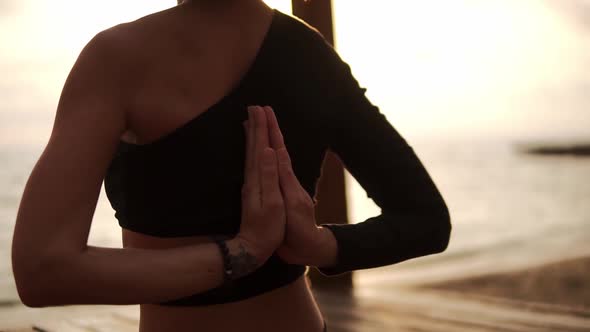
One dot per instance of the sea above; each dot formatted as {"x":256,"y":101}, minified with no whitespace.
{"x":509,"y":210}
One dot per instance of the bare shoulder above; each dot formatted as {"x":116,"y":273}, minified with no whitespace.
{"x":117,"y":55}
{"x":114,"y":46}
{"x":128,"y":44}
{"x":123,"y":42}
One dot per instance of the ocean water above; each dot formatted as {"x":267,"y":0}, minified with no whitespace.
{"x":509,"y":210}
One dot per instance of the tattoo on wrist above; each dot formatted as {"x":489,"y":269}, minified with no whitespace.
{"x":243,"y":262}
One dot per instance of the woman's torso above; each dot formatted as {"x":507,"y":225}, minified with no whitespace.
{"x":289,"y":308}
{"x":186,"y":61}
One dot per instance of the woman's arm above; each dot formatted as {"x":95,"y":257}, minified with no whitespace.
{"x":52,"y":263}
{"x":414,"y":219}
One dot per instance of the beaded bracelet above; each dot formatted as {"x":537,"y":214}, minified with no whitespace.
{"x":228,"y":270}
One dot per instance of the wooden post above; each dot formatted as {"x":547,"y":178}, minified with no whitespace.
{"x":331,"y":195}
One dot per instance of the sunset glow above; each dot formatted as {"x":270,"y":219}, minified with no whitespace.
{"x":460,"y":63}
{"x":456,"y":67}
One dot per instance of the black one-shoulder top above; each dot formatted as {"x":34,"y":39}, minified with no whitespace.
{"x":189,"y":181}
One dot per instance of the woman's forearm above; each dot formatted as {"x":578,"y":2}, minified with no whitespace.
{"x":131,"y":275}
{"x":327,"y":249}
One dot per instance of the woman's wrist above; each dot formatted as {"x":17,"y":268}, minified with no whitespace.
{"x":244,"y":257}
{"x":327,"y":248}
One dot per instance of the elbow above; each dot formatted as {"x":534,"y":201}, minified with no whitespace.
{"x":28,"y":285}
{"x":31,"y":299}
{"x":442,"y":230}
{"x":37,"y":281}
{"x":34,"y":300}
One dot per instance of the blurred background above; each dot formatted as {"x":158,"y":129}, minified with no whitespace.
{"x":468,"y":83}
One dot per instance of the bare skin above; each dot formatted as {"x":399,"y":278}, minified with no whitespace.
{"x":276,"y":310}
{"x":137,"y":82}
{"x":165,"y":109}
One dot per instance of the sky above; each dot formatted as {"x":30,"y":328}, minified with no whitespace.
{"x":473,"y":67}
{"x":498,"y":68}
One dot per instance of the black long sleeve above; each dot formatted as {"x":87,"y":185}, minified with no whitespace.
{"x":414,"y":219}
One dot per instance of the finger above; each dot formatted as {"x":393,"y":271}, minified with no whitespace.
{"x":290,"y":185}
{"x":262,"y":141}
{"x":251,"y":158}
{"x":249,"y":192}
{"x":260,"y":137}
{"x":275,"y":134}
{"x":257,"y":146}
{"x":289,"y":182}
{"x":271,"y":193}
